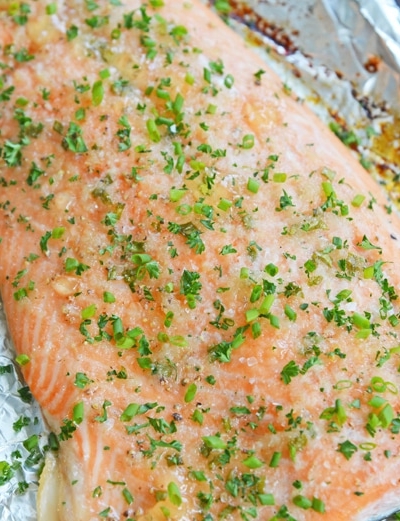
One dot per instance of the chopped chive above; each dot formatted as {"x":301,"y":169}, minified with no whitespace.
{"x":224,"y":204}
{"x":327,"y":188}
{"x":279,"y":177}
{"x":97,"y":492}
{"x":80,"y":114}
{"x":184,"y":209}
{"x":302,"y":501}
{"x":162,"y":120}
{"x":152,"y":129}
{"x":386,"y":415}
{"x":178,"y":103}
{"x":378,"y":384}
{"x":369,"y":272}
{"x":271,"y":269}
{"x":392,"y":388}
{"x":266,"y":499}
{"x":211,"y":109}
{"x":358,"y":200}
{"x":174,"y":494}
{"x":363,"y":333}
{"x":229,"y":81}
{"x":97,"y":93}
{"x":163,"y":94}
{"x":367,"y":446}
{"x":180,"y":163}
{"x":276,"y":457}
{"x":360,"y":321}
{"x":127,"y":496}
{"x":310,"y":266}
{"x":238,"y":341}
{"x":274,"y":321}
{"x":290,"y":313}
{"x":256,"y":329}
{"x":377,"y":401}
{"x":197,"y":165}
{"x":178,"y":341}
{"x":77,"y":412}
{"x":157,"y":3}
{"x":343,"y":384}
{"x":108,"y":297}
{"x":169,"y":288}
{"x":115,"y":33}
{"x":214,"y":442}
{"x":130,"y":411}
{"x":247,"y":141}
{"x":31,"y":443}
{"x":104,"y":74}
{"x":51,"y":8}
{"x":176,"y":194}
{"x":253,"y":185}
{"x":222,"y":6}
{"x":252,"y":314}
{"x":168,"y":319}
{"x":198,"y":475}
{"x":198,"y":416}
{"x":190,"y":393}
{"x":89,"y":311}
{"x":162,"y":337}
{"x":207,"y":75}
{"x":267,"y":304}
{"x":318,"y":505}
{"x":244,"y":273}
{"x":22,"y":359}
{"x":252,"y":462}
{"x":373,"y":423}
{"x":189,"y":78}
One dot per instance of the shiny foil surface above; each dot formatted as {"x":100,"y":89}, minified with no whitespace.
{"x":359,"y":40}
{"x":22,"y":438}
{"x":342,"y":57}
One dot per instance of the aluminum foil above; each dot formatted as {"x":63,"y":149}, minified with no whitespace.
{"x":358,"y":40}
{"x":21,"y":426}
{"x":343,"y":58}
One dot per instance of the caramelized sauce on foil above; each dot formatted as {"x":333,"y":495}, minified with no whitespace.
{"x":378,"y":150}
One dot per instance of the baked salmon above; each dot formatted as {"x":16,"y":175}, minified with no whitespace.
{"x":200,"y":280}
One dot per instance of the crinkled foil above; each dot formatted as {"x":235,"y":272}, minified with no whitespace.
{"x":18,"y":493}
{"x":343,"y":58}
{"x":358,"y":40}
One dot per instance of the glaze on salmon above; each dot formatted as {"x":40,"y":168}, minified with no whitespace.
{"x":203,"y":280}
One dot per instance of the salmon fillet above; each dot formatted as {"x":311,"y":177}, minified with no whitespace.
{"x":200,"y":280}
